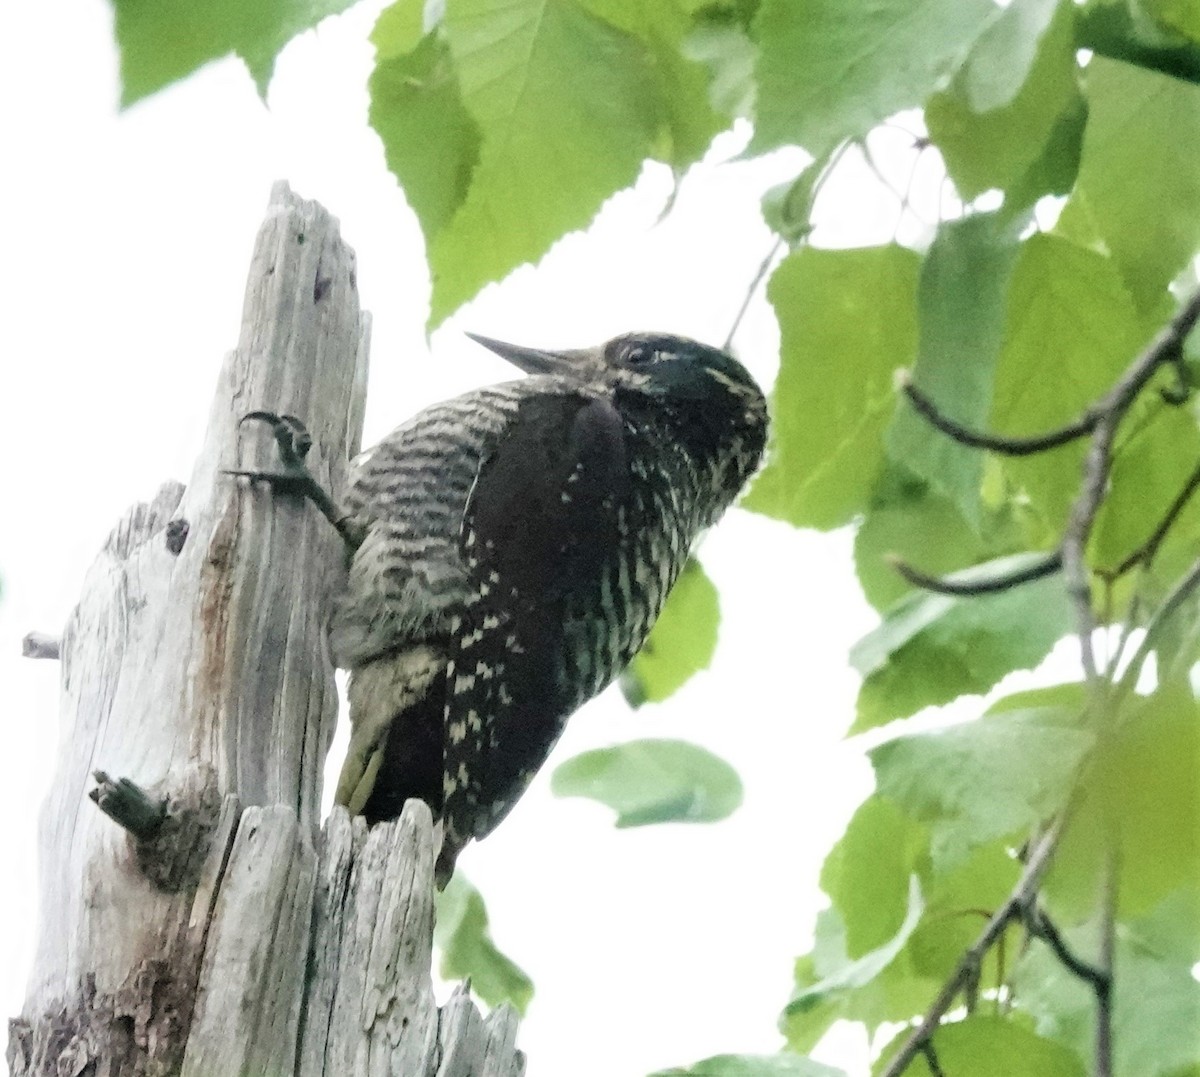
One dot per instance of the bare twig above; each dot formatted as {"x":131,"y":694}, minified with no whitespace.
{"x":1042,"y":927}
{"x":1163,"y":349}
{"x":1103,"y":985}
{"x":931,"y":1059}
{"x":762,"y":271}
{"x":948,"y":585}
{"x":967,"y":969}
{"x":1181,"y":592}
{"x":41,"y":645}
{"x":1147,"y":551}
{"x":998,"y":443}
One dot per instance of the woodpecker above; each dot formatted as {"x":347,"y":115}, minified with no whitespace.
{"x":511,"y":549}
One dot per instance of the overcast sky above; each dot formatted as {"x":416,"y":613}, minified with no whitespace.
{"x":126,"y":246}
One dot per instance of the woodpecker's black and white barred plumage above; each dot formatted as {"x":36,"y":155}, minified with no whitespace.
{"x":520,"y":541}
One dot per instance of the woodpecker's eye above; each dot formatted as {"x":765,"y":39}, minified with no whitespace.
{"x":638,"y":354}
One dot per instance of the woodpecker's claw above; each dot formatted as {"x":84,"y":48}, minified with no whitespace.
{"x":294,"y":441}
{"x":291,"y":434}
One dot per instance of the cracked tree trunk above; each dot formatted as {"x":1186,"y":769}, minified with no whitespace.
{"x":235,"y":935}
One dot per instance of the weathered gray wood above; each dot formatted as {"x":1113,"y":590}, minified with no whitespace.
{"x":235,"y":938}
{"x":40,"y":645}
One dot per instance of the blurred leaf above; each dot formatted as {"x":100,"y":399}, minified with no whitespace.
{"x":162,"y":42}
{"x":1072,"y":330}
{"x":787,"y":207}
{"x":689,"y":114}
{"x":566,"y":110}
{"x":461,"y":934}
{"x":1154,"y":457}
{"x":828,"y":982}
{"x":1156,"y":1001}
{"x":993,"y":778}
{"x":681,"y":643}
{"x":987,"y":1046}
{"x":1182,"y":16}
{"x":846,"y":321}
{"x":958,"y":904}
{"x":569,"y":99}
{"x":430,"y":141}
{"x":868,"y":874}
{"x":1010,"y":105}
{"x":961,"y":315}
{"x":1120,"y":30}
{"x":932,"y":648}
{"x":653,"y":781}
{"x":784,"y":1065}
{"x":1143,"y":792}
{"x":399,"y":29}
{"x":728,"y":54}
{"x":832,"y":69}
{"x":1139,"y":177}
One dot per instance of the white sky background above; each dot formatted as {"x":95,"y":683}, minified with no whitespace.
{"x":126,"y":246}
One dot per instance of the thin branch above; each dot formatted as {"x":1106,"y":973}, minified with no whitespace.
{"x":762,"y":271}
{"x":931,"y":1059}
{"x":1147,"y":551}
{"x":997,"y":443}
{"x":967,"y":969}
{"x":1042,"y":927}
{"x":1103,"y":986}
{"x":947,"y":585}
{"x":1096,"y":467}
{"x":1179,"y":595}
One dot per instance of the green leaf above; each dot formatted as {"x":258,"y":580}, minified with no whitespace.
{"x":932,"y":648}
{"x":909,"y":520}
{"x":1015,"y":100}
{"x":1120,"y":30}
{"x":961,"y":314}
{"x":994,"y":778}
{"x":989,"y":1046}
{"x":832,"y":69}
{"x":1141,"y":792}
{"x":461,"y":934}
{"x":846,"y":322}
{"x":399,"y":29}
{"x":828,"y":984}
{"x":653,"y":781}
{"x":728,"y":55}
{"x":681,"y":643}
{"x":689,"y":111}
{"x":958,"y":903}
{"x":1152,"y":462}
{"x":1072,"y":330}
{"x":1139,"y":179}
{"x":567,"y":109}
{"x":868,"y":874}
{"x":430,"y":141}
{"x":162,"y":42}
{"x":1182,"y":16}
{"x":787,"y":208}
{"x":1156,"y":1001}
{"x":784,"y":1065}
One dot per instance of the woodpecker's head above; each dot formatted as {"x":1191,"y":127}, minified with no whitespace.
{"x":670,"y":370}
{"x":705,"y":399}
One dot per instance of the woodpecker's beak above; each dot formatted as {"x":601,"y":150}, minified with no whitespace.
{"x":535,"y":361}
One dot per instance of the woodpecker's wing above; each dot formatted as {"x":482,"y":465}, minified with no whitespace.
{"x":542,"y":510}
{"x":542,"y":519}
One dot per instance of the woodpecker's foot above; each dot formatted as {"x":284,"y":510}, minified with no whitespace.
{"x":294,"y":478}
{"x":294,"y":441}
